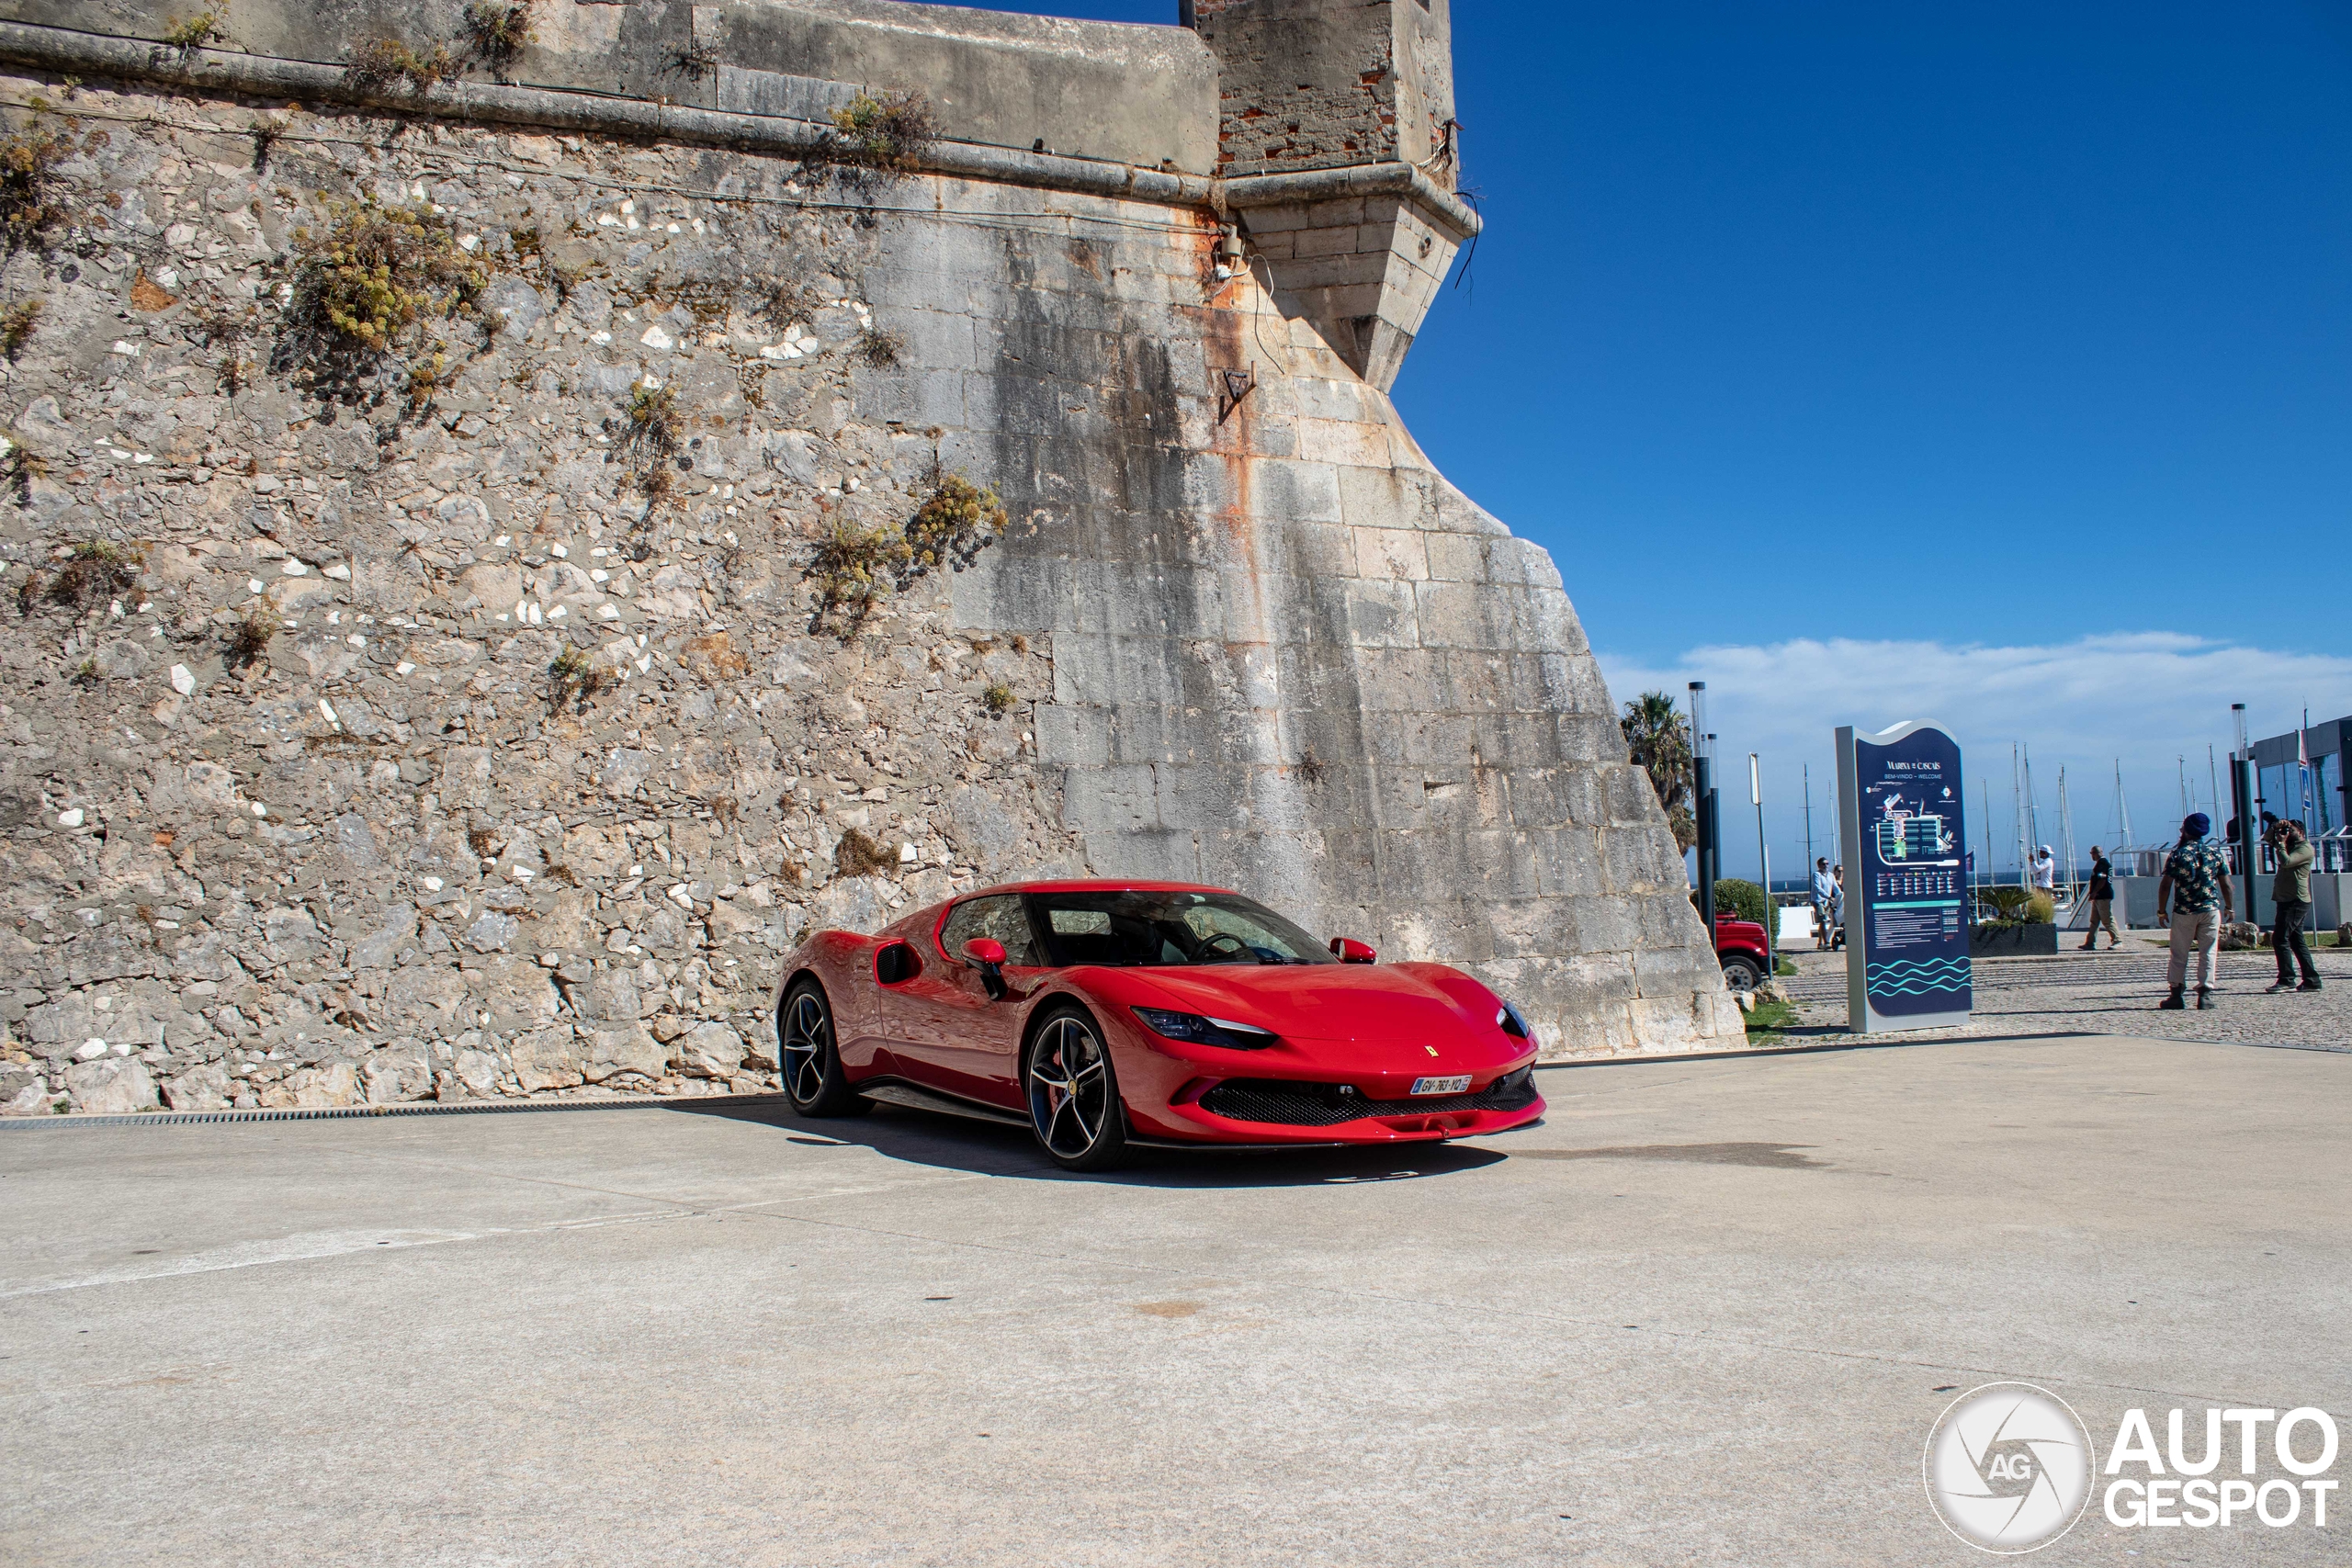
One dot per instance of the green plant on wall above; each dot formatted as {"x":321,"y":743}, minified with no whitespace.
{"x":888,"y":134}
{"x":955,"y":522}
{"x":363,"y":280}
{"x":30,"y":207}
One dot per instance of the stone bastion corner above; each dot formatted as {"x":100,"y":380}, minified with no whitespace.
{"x":486,"y":717}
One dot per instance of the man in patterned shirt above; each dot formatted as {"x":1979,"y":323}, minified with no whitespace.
{"x":2196,"y":884}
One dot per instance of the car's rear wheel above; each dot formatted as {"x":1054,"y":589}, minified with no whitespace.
{"x":1742,"y":974}
{"x":1073,"y":1093}
{"x":813,"y":1079}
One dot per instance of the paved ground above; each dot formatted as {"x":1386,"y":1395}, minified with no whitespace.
{"x":1704,"y":1314}
{"x":2116,"y":991}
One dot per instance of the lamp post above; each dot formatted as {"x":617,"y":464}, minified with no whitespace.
{"x":2242,"y":804}
{"x":1764,"y":859}
{"x":1702,"y":789}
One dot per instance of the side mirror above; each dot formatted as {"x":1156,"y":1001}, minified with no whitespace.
{"x":986,"y":954}
{"x":1347,"y":950}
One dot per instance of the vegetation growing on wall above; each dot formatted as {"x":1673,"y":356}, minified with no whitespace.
{"x":855,"y":565}
{"x":957,"y":520}
{"x":30,"y":207}
{"x":362,"y":282}
{"x":188,"y":37}
{"x":887,"y":135}
{"x":93,"y":573}
{"x":17,"y":324}
{"x":498,"y":31}
{"x":379,"y":64}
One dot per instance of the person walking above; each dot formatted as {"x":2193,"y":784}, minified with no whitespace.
{"x":2292,"y":894}
{"x":2196,"y":884}
{"x":2102,"y":897}
{"x":1837,"y":906}
{"x":1825,"y":900}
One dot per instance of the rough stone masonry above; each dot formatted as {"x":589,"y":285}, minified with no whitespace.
{"x":723,"y":519}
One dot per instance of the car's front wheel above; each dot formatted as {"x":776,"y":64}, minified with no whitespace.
{"x":1073,"y":1093}
{"x":1743,"y":974}
{"x":813,"y":1079}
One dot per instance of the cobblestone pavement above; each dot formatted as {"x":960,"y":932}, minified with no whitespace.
{"x":2111,"y":992}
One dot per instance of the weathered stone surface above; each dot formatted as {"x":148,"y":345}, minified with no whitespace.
{"x":1261,"y":643}
{"x":205,"y":1087}
{"x":111,"y":1086}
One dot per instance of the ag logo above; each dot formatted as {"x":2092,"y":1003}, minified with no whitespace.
{"x":2008,"y":1468}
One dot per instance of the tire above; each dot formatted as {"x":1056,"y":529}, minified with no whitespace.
{"x":1073,"y":1092}
{"x":1742,"y":974}
{"x":808,"y":1060}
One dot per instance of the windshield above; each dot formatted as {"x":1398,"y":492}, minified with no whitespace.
{"x":1167,"y":929}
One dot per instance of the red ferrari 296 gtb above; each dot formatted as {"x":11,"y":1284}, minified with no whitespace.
{"x":1108,"y":1015}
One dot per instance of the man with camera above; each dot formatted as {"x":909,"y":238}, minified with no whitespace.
{"x":2292,"y":894}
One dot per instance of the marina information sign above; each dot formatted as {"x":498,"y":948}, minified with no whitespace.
{"x":1907,"y":886}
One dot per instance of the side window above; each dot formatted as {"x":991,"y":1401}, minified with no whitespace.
{"x":1001,"y":917}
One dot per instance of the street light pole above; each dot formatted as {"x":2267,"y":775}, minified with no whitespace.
{"x":1764,"y":856}
{"x":1703,"y":786}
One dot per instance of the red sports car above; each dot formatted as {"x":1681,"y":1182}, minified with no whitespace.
{"x":1108,"y":1015}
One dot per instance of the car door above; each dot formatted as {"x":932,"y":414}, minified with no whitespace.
{"x":958,"y":1037}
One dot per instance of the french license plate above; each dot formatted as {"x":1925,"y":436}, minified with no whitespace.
{"x":1441,"y":1085}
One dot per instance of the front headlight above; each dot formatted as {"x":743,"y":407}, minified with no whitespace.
{"x":1507,"y":1019}
{"x":1191,"y":1028}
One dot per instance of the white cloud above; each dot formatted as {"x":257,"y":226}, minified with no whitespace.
{"x":2145,"y":698}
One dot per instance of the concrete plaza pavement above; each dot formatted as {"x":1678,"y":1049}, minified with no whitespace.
{"x":1705,"y":1312}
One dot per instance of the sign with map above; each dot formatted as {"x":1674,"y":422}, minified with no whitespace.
{"x":1907,"y":881}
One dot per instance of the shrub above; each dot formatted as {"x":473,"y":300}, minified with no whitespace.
{"x":498,"y":29}
{"x":858,"y":855}
{"x":956,"y":521}
{"x":28,"y":204}
{"x":1738,"y":899}
{"x":247,"y":641}
{"x":2007,"y":903}
{"x":94,"y":573}
{"x":364,"y":281}
{"x":2042,"y":909}
{"x":651,"y":432}
{"x":379,"y":63}
{"x":193,"y":34}
{"x":881,"y":348}
{"x":998,"y":698}
{"x":888,"y":134}
{"x":853,"y":567}
{"x":784,"y":304}
{"x":17,"y":327}
{"x":573,"y":678}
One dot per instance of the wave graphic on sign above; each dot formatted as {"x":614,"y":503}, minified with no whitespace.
{"x":1915,"y":977}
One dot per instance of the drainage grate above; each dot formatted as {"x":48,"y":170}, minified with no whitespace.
{"x":1322,"y":1105}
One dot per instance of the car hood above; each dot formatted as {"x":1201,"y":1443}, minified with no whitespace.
{"x":1358,"y":1002}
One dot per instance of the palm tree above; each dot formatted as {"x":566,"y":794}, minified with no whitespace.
{"x":1658,"y":737}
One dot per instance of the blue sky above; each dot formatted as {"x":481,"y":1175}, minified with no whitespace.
{"x":1879,"y":362}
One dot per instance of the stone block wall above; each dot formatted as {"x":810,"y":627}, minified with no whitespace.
{"x":396,"y":851}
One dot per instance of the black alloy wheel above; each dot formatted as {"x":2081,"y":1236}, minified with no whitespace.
{"x":813,"y":1079}
{"x":1073,"y":1093}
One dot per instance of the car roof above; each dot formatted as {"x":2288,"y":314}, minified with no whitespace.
{"x":1091,"y":885}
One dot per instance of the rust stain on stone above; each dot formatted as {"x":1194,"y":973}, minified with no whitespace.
{"x":146,"y":295}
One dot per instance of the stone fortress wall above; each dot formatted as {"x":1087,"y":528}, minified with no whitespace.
{"x":436,"y":731}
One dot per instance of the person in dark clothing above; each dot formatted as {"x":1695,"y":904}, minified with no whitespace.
{"x":2292,"y":894}
{"x":2102,"y":897}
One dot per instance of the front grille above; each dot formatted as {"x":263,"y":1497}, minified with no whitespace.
{"x":1322,"y":1105}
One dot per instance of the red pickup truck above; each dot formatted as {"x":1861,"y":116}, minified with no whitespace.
{"x":1739,"y":945}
